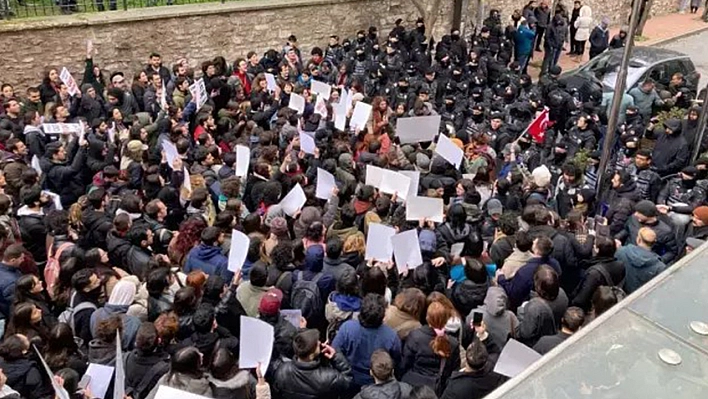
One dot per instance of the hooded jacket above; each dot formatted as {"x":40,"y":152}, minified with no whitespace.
{"x":671,"y":152}
{"x":65,"y":178}
{"x":539,"y":317}
{"x":131,"y":324}
{"x":198,"y":386}
{"x":621,"y":206}
{"x":641,"y":265}
{"x":401,"y":322}
{"x":514,"y":262}
{"x":210,"y":260}
{"x":468,"y":295}
{"x":390,"y":389}
{"x":336,"y":267}
{"x":25,"y":377}
{"x":583,"y":24}
{"x":250,"y":297}
{"x":500,"y":321}
{"x":358,"y":343}
{"x":241,"y":385}
{"x":665,"y":245}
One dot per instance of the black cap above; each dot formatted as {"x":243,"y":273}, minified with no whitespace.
{"x":646,"y":208}
{"x":485,"y":29}
{"x":690,"y":170}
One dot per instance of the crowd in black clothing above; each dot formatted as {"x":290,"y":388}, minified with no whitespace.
{"x":126,"y":225}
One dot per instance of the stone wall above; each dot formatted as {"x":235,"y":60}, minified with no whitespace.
{"x":202,"y":31}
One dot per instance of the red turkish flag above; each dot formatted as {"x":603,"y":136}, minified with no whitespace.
{"x":537,"y":128}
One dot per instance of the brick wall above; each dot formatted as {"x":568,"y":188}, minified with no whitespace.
{"x":202,"y":31}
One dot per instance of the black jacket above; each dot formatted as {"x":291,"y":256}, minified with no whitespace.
{"x":34,"y":233}
{"x":671,"y":152}
{"x":391,"y":389}
{"x":97,"y":224}
{"x":621,"y":206}
{"x":595,"y":277}
{"x":473,"y":385}
{"x":65,"y":178}
{"x":468,"y":295}
{"x":420,"y":366}
{"x":665,"y":245}
{"x":143,"y":370}
{"x":25,"y":377}
{"x":563,"y":252}
{"x":313,"y":380}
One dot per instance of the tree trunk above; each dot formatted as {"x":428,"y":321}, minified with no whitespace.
{"x":428,"y":10}
{"x":644,"y":17}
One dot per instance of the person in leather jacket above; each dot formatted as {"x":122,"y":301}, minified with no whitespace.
{"x":316,"y":372}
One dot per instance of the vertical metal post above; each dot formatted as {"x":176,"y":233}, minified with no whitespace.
{"x":620,"y":85}
{"x":125,"y":5}
{"x":701,"y":126}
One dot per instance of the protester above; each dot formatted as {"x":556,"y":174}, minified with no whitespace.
{"x":155,"y":181}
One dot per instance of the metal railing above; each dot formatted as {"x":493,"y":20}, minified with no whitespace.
{"x":13,"y":9}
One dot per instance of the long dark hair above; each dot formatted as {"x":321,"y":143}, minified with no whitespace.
{"x":60,"y":346}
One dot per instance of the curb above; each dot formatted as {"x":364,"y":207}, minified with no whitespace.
{"x":661,"y":42}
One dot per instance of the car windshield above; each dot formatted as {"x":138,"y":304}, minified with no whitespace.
{"x":606,"y":67}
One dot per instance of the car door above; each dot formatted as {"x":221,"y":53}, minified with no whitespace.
{"x":660,"y":75}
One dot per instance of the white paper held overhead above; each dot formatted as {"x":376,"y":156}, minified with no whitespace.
{"x":321,"y":89}
{"x":418,"y":128}
{"x":418,"y":208}
{"x":255,"y":344}
{"x":307,"y":143}
{"x":238,"y":251}
{"x":100,"y":379}
{"x":406,"y":250}
{"x":297,"y":102}
{"x":294,"y":201}
{"x":515,"y":358}
{"x":243,"y":159}
{"x":325,"y":184}
{"x":378,"y":242}
{"x":360,"y":116}
{"x":394,"y":183}
{"x":292,"y":316}
{"x":448,"y":150}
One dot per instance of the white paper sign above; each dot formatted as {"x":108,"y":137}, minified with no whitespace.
{"x":238,"y":251}
{"x":170,"y":152}
{"x":307,"y":143}
{"x":199,"y":93}
{"x":414,"y":175}
{"x":167,"y":392}
{"x":187,"y":182}
{"x":322,"y":89}
{"x":340,"y":111}
{"x":321,"y":107}
{"x":418,"y":128}
{"x":448,"y":150}
{"x":325,"y":184}
{"x":515,"y":358}
{"x":119,"y":383}
{"x":100,"y":379}
{"x":35,"y":165}
{"x":394,"y":182}
{"x":294,"y":201}
{"x":406,"y":250}
{"x":256,"y":344}
{"x":425,"y":208}
{"x":55,"y":198}
{"x":374,"y":175}
{"x":270,"y":81}
{"x":61,"y":128}
{"x":457,"y":248}
{"x":360,"y":116}
{"x":378,"y":242}
{"x":297,"y":102}
{"x":69,"y":81}
{"x":292,"y":316}
{"x":243,"y":159}
{"x":112,"y":133}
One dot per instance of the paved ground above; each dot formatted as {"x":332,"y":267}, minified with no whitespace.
{"x":657,"y":31}
{"x":695,"y":47}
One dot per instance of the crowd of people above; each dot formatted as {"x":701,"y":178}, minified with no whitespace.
{"x":100,"y":233}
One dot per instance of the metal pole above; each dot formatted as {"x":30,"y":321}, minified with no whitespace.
{"x":701,"y":126}
{"x":620,"y":84}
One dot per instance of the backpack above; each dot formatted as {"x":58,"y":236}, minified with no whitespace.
{"x":67,"y":316}
{"x":306,"y":296}
{"x":334,"y":325}
{"x":51,"y":270}
{"x":616,"y":289}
